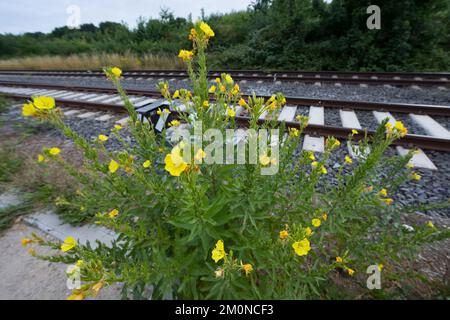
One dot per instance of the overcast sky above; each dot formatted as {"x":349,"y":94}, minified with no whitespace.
{"x":18,"y":16}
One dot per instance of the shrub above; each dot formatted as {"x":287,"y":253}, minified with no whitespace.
{"x":191,"y":228}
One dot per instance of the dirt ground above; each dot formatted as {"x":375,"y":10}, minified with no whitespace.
{"x":28,"y":278}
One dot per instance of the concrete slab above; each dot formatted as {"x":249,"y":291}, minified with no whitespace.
{"x":50,"y":223}
{"x":316,"y":116}
{"x":104,"y":117}
{"x":349,"y":119}
{"x":419,"y":160}
{"x":87,"y":115}
{"x":431,"y":126}
{"x":315,"y":144}
{"x":287,"y":114}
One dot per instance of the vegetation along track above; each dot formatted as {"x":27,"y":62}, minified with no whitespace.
{"x":148,"y":102}
{"x":336,"y":77}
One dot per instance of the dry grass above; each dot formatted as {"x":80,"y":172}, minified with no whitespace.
{"x":93,"y":61}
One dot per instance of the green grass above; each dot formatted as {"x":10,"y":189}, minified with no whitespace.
{"x":10,"y":162}
{"x":4,"y":104}
{"x":9,"y":214}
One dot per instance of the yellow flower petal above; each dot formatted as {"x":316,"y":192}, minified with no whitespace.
{"x":218,"y":252}
{"x":146,"y":163}
{"x":113,"y":166}
{"x":316,"y":222}
{"x":284,"y":234}
{"x":28,"y":110}
{"x":44,"y":103}
{"x":54,"y":151}
{"x":302,"y":247}
{"x":116,"y":72}
{"x":113,"y":213}
{"x":68,"y":244}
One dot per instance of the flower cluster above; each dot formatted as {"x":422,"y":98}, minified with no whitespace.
{"x":38,"y":107}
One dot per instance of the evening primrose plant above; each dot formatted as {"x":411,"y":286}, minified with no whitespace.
{"x":192,"y":228}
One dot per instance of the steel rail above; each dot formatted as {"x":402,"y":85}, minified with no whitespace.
{"x":438,"y":110}
{"x":424,"y":142}
{"x":305,"y":77}
{"x":246,"y":71}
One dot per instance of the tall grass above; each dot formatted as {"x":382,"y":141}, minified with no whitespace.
{"x":93,"y":61}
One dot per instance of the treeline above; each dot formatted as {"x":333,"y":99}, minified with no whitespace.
{"x":282,"y":34}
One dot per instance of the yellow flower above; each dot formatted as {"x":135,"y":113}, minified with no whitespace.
{"x":41,"y":158}
{"x":113,"y":166}
{"x":324,"y":217}
{"x":235,"y":90}
{"x":388,"y":201}
{"x":223,"y":88}
{"x":79,"y":296}
{"x":103,"y":138}
{"x":165,"y":111}
{"x":388,"y":127}
{"x":314,"y":164}
{"x":193,"y":34}
{"x":217,"y":80}
{"x":175,"y":164}
{"x":79,"y":263}
{"x":311,"y":156}
{"x":146,"y":163}
{"x":409,"y":165}
{"x":228,"y":79}
{"x":416,"y":176}
{"x":68,"y":244}
{"x":284,"y":234}
{"x":113,"y":213}
{"x":302,"y":247}
{"x":44,"y":103}
{"x":174,"y":123}
{"x":200,"y":155}
{"x":205,"y":104}
{"x":31,"y":251}
{"x":430,"y":225}
{"x":248,"y":268}
{"x":118,"y":127}
{"x":209,"y":33}
{"x":218,"y":252}
{"x":54,"y":151}
{"x":176,"y":94}
{"x":230,"y":112}
{"x":351,"y":272}
{"x":293,"y":132}
{"x":242,"y":103}
{"x":28,"y":110}
{"x":264,"y":159}
{"x":339,"y":259}
{"x":116,"y":72}
{"x":212,"y":89}
{"x":354,"y":132}
{"x":383,"y":192}
{"x":25,"y":241}
{"x":316,"y":222}
{"x":400,"y":128}
{"x":348,"y":160}
{"x":273,"y":106}
{"x":185,"y":55}
{"x":323,"y":170}
{"x":380,"y":267}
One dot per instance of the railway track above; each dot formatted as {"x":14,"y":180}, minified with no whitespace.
{"x":86,"y":102}
{"x":441,"y":80}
